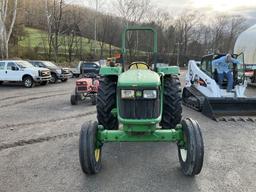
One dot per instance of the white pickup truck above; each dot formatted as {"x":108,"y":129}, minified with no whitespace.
{"x":23,"y":71}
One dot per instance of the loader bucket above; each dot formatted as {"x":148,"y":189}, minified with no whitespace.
{"x":226,"y":109}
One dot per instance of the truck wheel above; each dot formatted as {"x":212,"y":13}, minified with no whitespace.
{"x":73,"y":99}
{"x":54,"y":78}
{"x":28,"y":82}
{"x":64,"y":80}
{"x":106,"y":101}
{"x":44,"y":83}
{"x":1,"y":82}
{"x":89,"y":152}
{"x":171,"y":102}
{"x":94,"y":99}
{"x":191,"y":152}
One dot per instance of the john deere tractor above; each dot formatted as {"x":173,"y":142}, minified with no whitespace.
{"x":140,"y":104}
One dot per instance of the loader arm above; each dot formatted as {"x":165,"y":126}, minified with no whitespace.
{"x":195,"y":75}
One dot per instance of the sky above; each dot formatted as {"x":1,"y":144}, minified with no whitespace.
{"x":209,"y":7}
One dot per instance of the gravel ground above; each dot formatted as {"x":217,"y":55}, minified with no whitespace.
{"x":39,"y":150}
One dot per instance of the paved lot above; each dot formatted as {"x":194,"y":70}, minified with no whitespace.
{"x":39,"y":150}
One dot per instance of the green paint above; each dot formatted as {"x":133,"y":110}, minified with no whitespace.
{"x":110,"y":70}
{"x":139,"y":78}
{"x":114,"y":112}
{"x":159,"y":135}
{"x":139,"y":128}
{"x":171,"y":70}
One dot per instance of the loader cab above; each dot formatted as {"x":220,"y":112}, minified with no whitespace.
{"x":207,"y":67}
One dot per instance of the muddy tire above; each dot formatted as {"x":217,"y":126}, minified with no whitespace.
{"x":89,"y":153}
{"x":106,"y":101}
{"x":28,"y":82}
{"x":191,"y":154}
{"x":171,"y":102}
{"x":73,"y":99}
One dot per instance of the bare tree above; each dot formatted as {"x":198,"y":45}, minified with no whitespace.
{"x":5,"y":30}
{"x":132,"y":10}
{"x":185,"y":26}
{"x":54,"y":14}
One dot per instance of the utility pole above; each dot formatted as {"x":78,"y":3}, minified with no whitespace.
{"x":178,"y":53}
{"x":95,"y":27}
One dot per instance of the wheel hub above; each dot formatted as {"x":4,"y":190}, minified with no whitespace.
{"x":183,"y":153}
{"x":27,"y":83}
{"x":97,"y":154}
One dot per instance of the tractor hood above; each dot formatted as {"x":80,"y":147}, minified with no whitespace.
{"x":139,"y":78}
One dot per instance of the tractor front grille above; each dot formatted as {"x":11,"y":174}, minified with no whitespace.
{"x":139,"y":108}
{"x":81,"y":88}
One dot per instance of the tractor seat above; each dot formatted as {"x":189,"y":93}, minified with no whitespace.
{"x":138,"y":65}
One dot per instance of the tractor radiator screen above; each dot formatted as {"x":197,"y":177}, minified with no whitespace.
{"x":139,"y":108}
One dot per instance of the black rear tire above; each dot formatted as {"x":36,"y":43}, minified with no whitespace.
{"x":171,"y":102}
{"x":191,"y":155}
{"x":106,"y":101}
{"x":64,"y":80}
{"x":1,"y":82}
{"x":89,"y":153}
{"x":73,"y":99}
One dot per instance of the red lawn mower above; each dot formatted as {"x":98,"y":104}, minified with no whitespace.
{"x":86,"y":87}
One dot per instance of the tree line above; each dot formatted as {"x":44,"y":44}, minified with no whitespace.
{"x":190,"y":34}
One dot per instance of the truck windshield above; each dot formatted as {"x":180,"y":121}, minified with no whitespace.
{"x":49,"y":64}
{"x":24,"y":64}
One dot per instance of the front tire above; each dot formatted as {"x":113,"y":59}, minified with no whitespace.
{"x":191,"y":153}
{"x":171,"y":102}
{"x":64,"y":80}
{"x":106,"y":101}
{"x":54,"y":78}
{"x":28,"y":82}
{"x":1,"y":82}
{"x":89,"y":152}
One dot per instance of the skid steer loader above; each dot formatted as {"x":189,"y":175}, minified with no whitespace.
{"x":203,"y":93}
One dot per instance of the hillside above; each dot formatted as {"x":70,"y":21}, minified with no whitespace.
{"x":37,"y":41}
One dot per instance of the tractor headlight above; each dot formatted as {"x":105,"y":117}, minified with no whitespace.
{"x":149,"y":94}
{"x":127,"y":94}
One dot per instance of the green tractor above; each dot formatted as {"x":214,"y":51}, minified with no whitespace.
{"x":140,"y":105}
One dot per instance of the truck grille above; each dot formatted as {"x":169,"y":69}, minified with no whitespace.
{"x":64,"y":71}
{"x":139,"y":108}
{"x":44,"y":73}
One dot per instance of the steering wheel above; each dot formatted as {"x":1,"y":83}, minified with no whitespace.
{"x":138,"y":65}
